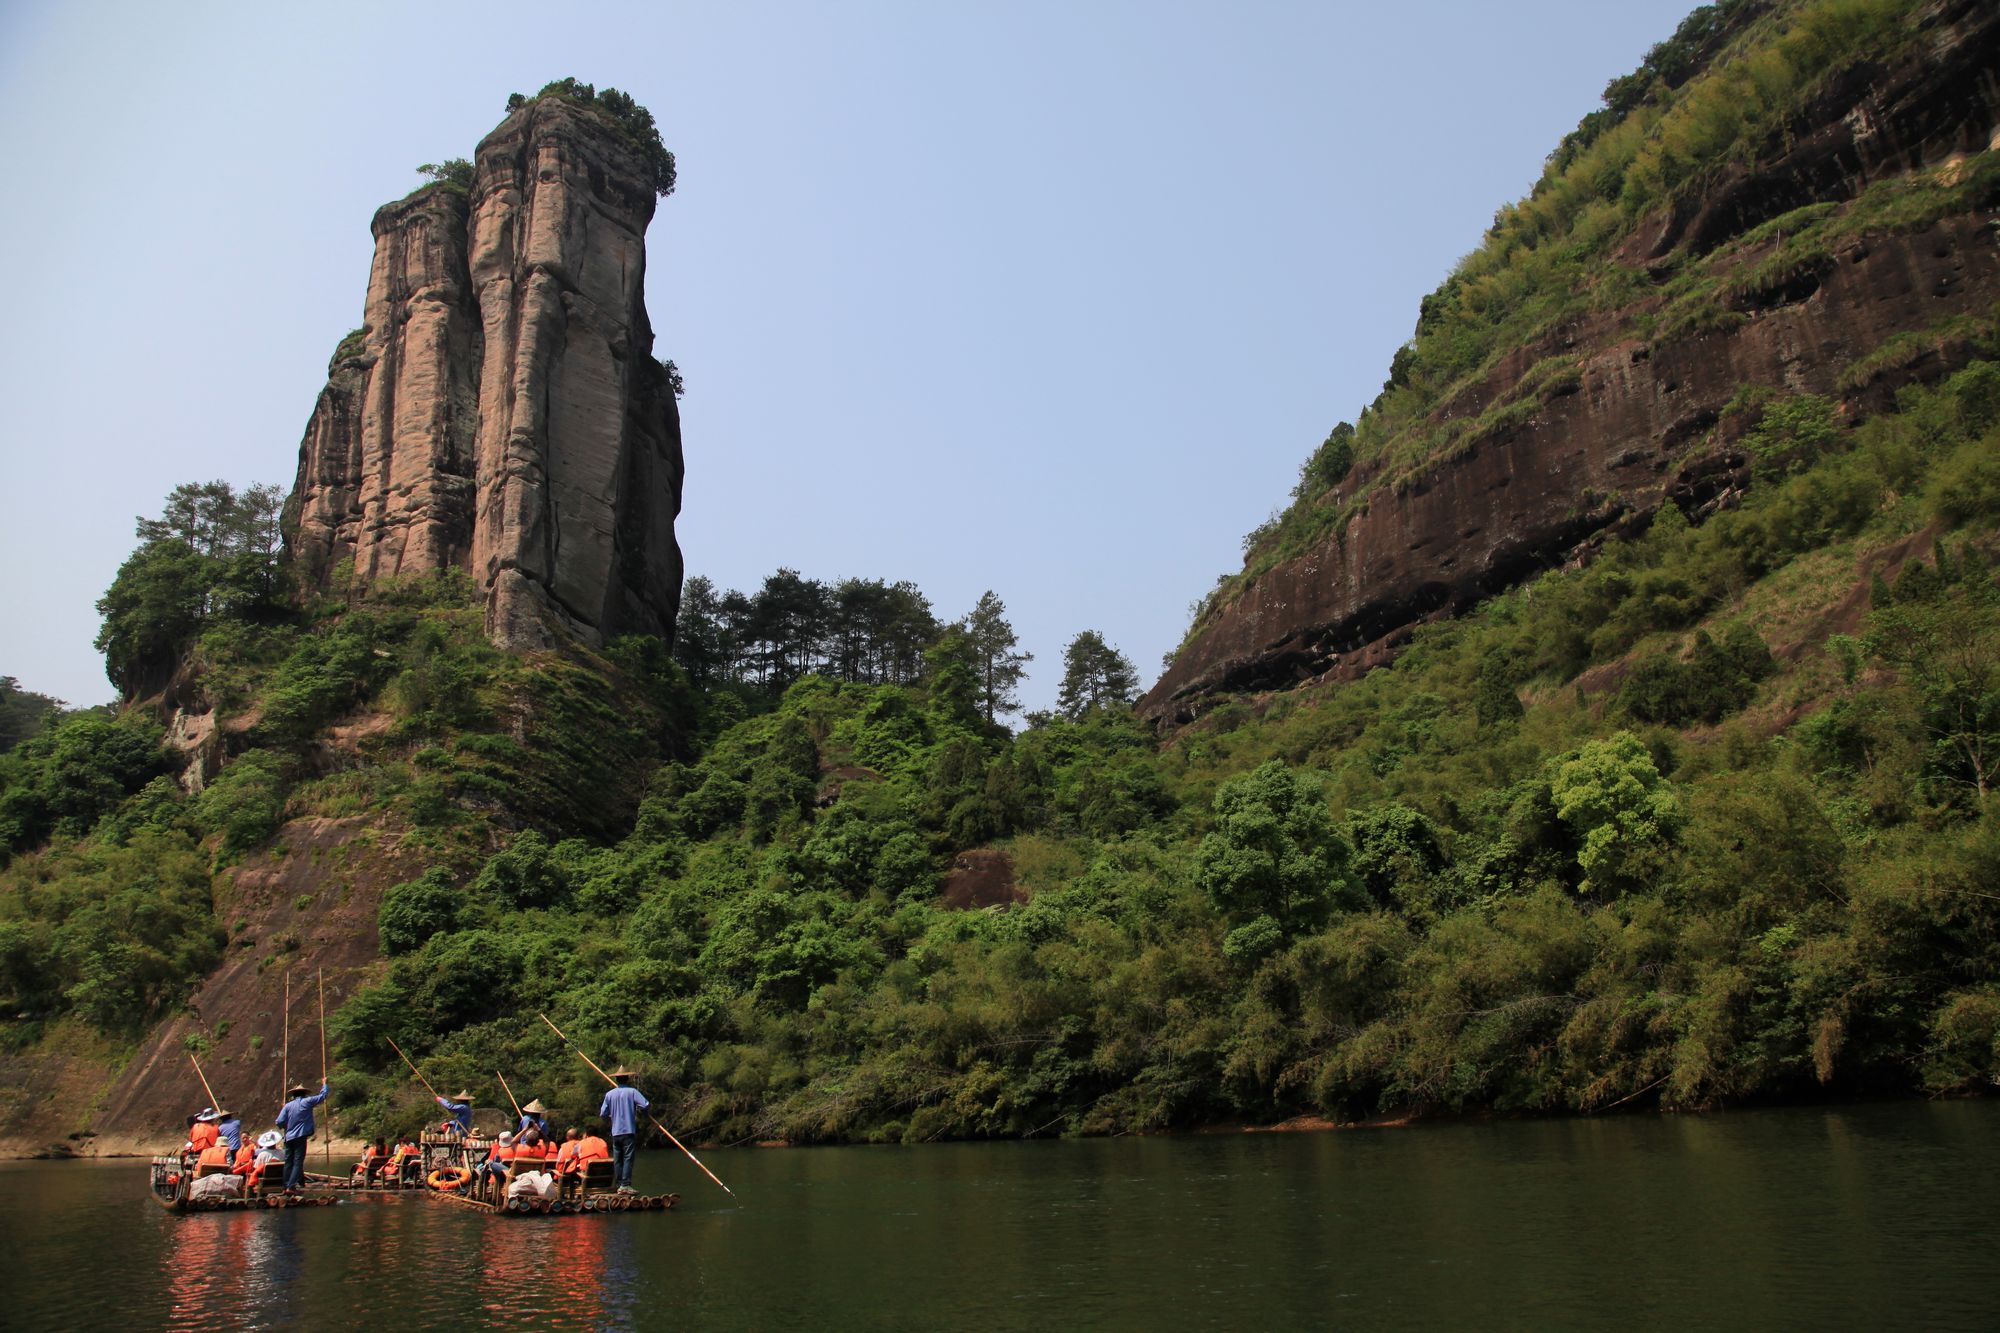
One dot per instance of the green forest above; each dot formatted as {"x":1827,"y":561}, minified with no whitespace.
{"x":1707,"y":820}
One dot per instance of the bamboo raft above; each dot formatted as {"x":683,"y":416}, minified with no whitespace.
{"x":170,"y":1178}
{"x":589,"y":1203}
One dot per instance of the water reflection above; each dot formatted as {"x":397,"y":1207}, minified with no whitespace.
{"x":1863,"y":1215}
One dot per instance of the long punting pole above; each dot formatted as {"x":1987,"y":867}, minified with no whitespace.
{"x":510,"y":1093}
{"x":413,"y":1067}
{"x":649,"y":1115}
{"x":285,"y":1061}
{"x":326,"y":1139}
{"x":214,"y":1104}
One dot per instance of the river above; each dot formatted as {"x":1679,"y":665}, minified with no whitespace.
{"x":1876,"y":1215}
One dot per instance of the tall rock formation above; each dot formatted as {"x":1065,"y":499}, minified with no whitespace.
{"x":500,"y":410}
{"x":1642,"y":421}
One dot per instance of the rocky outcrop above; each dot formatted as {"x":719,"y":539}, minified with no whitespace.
{"x":500,"y":410}
{"x":1608,"y":445}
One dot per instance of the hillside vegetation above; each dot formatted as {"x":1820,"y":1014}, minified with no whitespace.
{"x":1705,"y":820}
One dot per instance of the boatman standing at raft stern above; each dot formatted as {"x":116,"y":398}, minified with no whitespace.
{"x":460,"y":1109}
{"x":621,"y":1107}
{"x":296,"y":1120}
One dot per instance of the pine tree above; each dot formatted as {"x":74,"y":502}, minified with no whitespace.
{"x":1001,"y":665}
{"x":1094,"y":674}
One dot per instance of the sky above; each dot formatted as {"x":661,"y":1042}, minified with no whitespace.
{"x":1050,"y":299}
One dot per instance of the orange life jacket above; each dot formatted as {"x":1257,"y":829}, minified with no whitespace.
{"x":203,"y":1136}
{"x":502,"y":1152}
{"x":246,"y":1159}
{"x":592,"y":1149}
{"x":566,"y":1156}
{"x":215,"y":1154}
{"x":536,"y":1152}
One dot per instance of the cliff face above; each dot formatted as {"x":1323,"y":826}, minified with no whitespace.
{"x":501,"y":411}
{"x":1643,"y":421}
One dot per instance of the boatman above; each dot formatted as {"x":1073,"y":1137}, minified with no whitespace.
{"x":460,"y":1110}
{"x":621,"y":1107}
{"x":296,"y":1122}
{"x":229,"y":1129}
{"x":534,"y":1116}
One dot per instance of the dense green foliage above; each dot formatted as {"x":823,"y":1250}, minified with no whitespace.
{"x":23,"y":713}
{"x":1396,"y":893}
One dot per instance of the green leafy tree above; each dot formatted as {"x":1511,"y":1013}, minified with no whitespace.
{"x":23,"y":713}
{"x":1611,"y":795}
{"x":417,"y":909}
{"x":1942,"y":631}
{"x":454,"y":173}
{"x":1095,"y":675}
{"x":1275,"y":852}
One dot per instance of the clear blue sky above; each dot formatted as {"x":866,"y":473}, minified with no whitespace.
{"x":1048,"y":298}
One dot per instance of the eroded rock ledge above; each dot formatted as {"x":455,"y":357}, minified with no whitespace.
{"x":1602,"y":456}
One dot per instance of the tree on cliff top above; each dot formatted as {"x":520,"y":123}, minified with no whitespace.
{"x":622,"y":111}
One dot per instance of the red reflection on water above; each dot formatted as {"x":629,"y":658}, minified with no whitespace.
{"x":209,"y":1263}
{"x":577,"y":1270}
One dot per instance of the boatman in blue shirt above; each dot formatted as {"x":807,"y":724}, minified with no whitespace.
{"x":229,"y":1129}
{"x":621,"y":1107}
{"x":460,"y":1111}
{"x":534,"y":1116}
{"x":296,"y":1123}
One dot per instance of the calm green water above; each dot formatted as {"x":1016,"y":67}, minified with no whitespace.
{"x":1874,"y":1216}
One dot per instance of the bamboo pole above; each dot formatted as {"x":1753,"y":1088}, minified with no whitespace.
{"x":204,"y":1082}
{"x":285,"y":1060}
{"x":510,"y":1093}
{"x":649,"y":1115}
{"x":326,"y":1137}
{"x":413,"y":1067}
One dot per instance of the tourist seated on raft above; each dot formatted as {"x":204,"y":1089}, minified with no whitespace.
{"x":590,"y":1147}
{"x":213,"y":1177}
{"x":459,"y":1109}
{"x":270,"y":1148}
{"x":407,"y":1165}
{"x":531,"y":1145}
{"x":494,"y":1169}
{"x":567,"y":1153}
{"x":373,"y":1158}
{"x":201,"y":1131}
{"x":243,"y":1161}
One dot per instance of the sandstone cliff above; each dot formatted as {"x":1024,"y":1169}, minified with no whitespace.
{"x":500,"y":410}
{"x":1637,"y":419}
